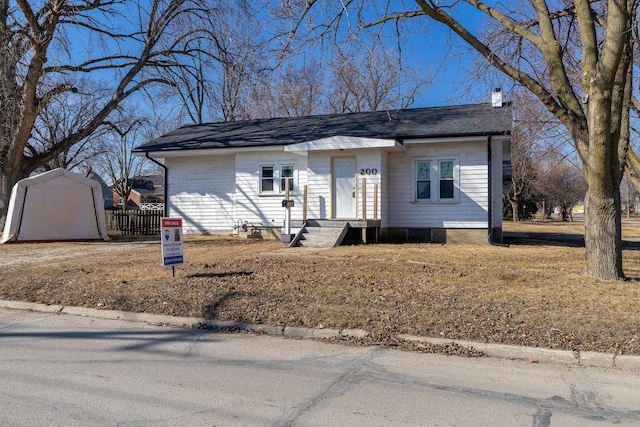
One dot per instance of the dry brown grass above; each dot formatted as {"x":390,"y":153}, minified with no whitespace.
{"x":532,"y":293}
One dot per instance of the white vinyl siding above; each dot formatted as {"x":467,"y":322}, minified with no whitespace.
{"x":319,"y":186}
{"x":265,"y":208}
{"x":369,"y":168}
{"x":470,"y":208}
{"x":201,"y":191}
{"x":212,"y":193}
{"x":384,"y":196}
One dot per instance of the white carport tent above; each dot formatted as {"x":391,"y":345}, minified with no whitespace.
{"x":55,"y":205}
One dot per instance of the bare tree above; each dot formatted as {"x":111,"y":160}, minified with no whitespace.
{"x":215,"y":81}
{"x":40,"y":64}
{"x":189,"y":85}
{"x":263,"y":98}
{"x":576,"y":58}
{"x":537,"y":139}
{"x":370,"y":81}
{"x":115,"y":161}
{"x":630,"y":196}
{"x":298,"y":90}
{"x":525,"y":160}
{"x":240,"y":60}
{"x":562,"y":186}
{"x":349,"y":83}
{"x":291,"y":90}
{"x":632,"y":167}
{"x":63,"y":116}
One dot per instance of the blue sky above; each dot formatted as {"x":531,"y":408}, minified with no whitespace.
{"x":441,"y":58}
{"x":450,"y":85}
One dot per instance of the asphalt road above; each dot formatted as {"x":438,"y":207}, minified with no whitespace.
{"x":63,"y":370}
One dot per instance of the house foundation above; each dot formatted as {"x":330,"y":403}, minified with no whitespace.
{"x":434,"y":235}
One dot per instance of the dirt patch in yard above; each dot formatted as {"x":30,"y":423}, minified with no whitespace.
{"x":532,"y":293}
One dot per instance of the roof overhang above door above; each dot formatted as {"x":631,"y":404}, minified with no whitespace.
{"x":345,"y":143}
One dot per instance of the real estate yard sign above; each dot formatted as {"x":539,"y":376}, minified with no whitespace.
{"x":172,"y":247}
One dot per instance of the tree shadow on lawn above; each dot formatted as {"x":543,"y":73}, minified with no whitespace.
{"x":556,"y":239}
{"x":210,"y":311}
{"x":220,"y":275}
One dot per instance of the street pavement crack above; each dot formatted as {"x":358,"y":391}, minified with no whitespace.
{"x":350,"y":378}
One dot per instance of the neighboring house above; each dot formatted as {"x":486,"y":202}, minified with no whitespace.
{"x":428,"y":174}
{"x":146,"y":191}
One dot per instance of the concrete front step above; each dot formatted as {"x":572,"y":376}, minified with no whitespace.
{"x":321,"y":233}
{"x":320,"y":238}
{"x":317,"y":231}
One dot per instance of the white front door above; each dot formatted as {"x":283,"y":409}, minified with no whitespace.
{"x":344,"y":187}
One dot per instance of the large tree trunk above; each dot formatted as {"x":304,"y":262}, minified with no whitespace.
{"x":601,"y":163}
{"x":602,"y":232}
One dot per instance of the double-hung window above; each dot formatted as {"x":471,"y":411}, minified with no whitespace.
{"x":274,"y":177}
{"x":286,"y":174}
{"x":436,"y":180}
{"x":266,"y":179}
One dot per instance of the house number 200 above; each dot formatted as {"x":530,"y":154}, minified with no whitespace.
{"x":368,"y":171}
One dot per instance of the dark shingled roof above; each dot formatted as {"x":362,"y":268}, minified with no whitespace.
{"x":451,"y":121}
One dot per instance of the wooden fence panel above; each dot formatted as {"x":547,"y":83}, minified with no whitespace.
{"x":133,"y":222}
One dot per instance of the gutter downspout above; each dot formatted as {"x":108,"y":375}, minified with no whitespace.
{"x":490,"y":198}
{"x":166,"y":182}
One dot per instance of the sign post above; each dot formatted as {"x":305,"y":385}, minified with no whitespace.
{"x":287,"y":204}
{"x":172,"y":246}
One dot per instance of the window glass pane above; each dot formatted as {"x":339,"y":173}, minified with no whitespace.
{"x":283,"y":185}
{"x":446,"y":170}
{"x":424,"y":190}
{"x":423,"y":178}
{"x":266,"y":180}
{"x":267,"y":184}
{"x":423,"y":171}
{"x":286,"y":173}
{"x":446,"y":179}
{"x":446,"y":189}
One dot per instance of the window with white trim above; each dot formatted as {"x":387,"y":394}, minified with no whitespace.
{"x":274,"y":177}
{"x":436,"y":180}
{"x":286,"y":174}
{"x":266,"y":179}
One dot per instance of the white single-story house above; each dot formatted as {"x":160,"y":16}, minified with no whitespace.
{"x":415,"y":175}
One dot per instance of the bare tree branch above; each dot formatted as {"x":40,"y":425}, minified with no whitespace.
{"x":31,"y":38}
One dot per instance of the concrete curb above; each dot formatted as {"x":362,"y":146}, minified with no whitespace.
{"x":543,"y":355}
{"x":30,"y":306}
{"x":530,"y":354}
